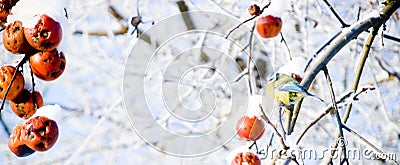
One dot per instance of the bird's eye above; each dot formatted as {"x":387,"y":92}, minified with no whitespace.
{"x":276,"y":76}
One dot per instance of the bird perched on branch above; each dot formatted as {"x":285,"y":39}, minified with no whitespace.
{"x":286,"y":89}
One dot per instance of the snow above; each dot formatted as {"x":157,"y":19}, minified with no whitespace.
{"x":254,"y":105}
{"x":295,"y":66}
{"x":53,"y":112}
{"x":29,"y":11}
{"x":277,"y":7}
{"x":232,"y":154}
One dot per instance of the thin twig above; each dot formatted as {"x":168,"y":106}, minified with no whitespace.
{"x":296,"y":111}
{"x":84,"y":144}
{"x":360,"y":67}
{"x":241,"y":75}
{"x":114,"y":13}
{"x":390,"y":37}
{"x":359,"y":13}
{"x":266,"y":119}
{"x":247,"y":20}
{"x":362,"y":138}
{"x":137,"y":7}
{"x":66,"y":13}
{"x":287,"y":46}
{"x":19,"y":65}
{"x":366,"y":141}
{"x":120,"y":31}
{"x":183,"y":8}
{"x":136,"y":21}
{"x":390,"y":70}
{"x":336,"y":14}
{"x":223,"y":8}
{"x":5,"y":128}
{"x":237,"y":79}
{"x":294,"y":115}
{"x":336,"y":112}
{"x":321,"y":48}
{"x":329,"y":109}
{"x":33,"y":86}
{"x":281,"y":121}
{"x":249,"y":58}
{"x":238,"y":26}
{"x":2,"y":28}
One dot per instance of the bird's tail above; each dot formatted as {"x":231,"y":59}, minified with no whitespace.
{"x":315,"y":97}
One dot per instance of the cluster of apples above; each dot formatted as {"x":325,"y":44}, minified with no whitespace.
{"x":38,"y":45}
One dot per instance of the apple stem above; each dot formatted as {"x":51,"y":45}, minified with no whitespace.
{"x":33,"y":87}
{"x":19,"y":65}
{"x":2,"y":28}
{"x":247,"y":20}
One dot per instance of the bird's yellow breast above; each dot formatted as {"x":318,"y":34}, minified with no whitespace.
{"x":285,"y":97}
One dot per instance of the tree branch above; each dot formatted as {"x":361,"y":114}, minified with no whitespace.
{"x":286,"y":45}
{"x":336,"y":112}
{"x":5,"y":128}
{"x":390,"y":70}
{"x":183,"y":8}
{"x":330,"y":107}
{"x":19,"y":65}
{"x":122,"y":30}
{"x":366,"y":141}
{"x":249,"y":57}
{"x":336,"y":14}
{"x":266,"y":119}
{"x":360,"y":68}
{"x":345,"y":37}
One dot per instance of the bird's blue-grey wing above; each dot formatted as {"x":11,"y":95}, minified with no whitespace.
{"x":290,"y":87}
